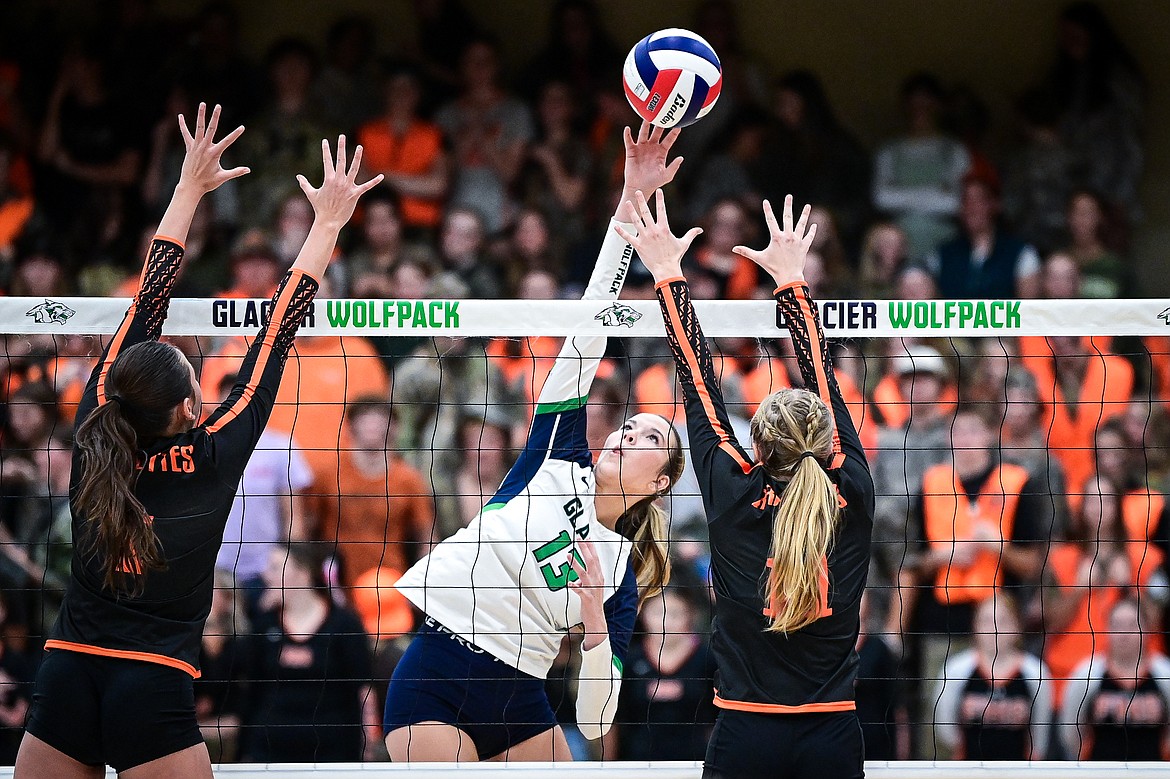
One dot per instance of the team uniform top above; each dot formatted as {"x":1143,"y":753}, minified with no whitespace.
{"x":187,"y":484}
{"x":1000,"y":716}
{"x":1110,"y":717}
{"x":502,"y":581}
{"x":812,"y":669}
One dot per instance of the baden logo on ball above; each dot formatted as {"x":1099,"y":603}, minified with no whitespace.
{"x":672,"y":77}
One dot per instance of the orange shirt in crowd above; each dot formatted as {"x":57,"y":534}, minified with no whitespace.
{"x":525,"y":362}
{"x":322,"y":374}
{"x":412,"y":154}
{"x":14,"y":214}
{"x":1072,"y":425}
{"x":896,"y":410}
{"x":1159,"y":348}
{"x":771,"y":375}
{"x":1086,"y":632}
{"x":741,"y":282}
{"x":382,"y":520}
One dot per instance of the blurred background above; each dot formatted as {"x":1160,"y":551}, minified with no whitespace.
{"x":1027,"y":139}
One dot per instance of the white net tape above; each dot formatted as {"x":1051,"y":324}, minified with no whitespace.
{"x":632,"y":318}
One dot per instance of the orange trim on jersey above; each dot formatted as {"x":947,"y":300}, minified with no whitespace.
{"x":814,"y":337}
{"x":265,"y":352}
{"x":124,"y":654}
{"x":168,"y":239}
{"x":116,"y":347}
{"x":776,"y":708}
{"x":692,"y":359}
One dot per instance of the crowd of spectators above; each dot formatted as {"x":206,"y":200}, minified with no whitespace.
{"x":1021,"y":532}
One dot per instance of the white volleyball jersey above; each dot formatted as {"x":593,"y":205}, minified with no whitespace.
{"x":502,"y":582}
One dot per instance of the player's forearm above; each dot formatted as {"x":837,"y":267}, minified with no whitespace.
{"x":318,"y":248}
{"x":176,"y":220}
{"x":598,"y":687}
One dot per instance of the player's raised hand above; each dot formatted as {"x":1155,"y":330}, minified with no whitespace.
{"x":646,"y":168}
{"x":590,"y":588}
{"x":334,"y":201}
{"x":661,"y":251}
{"x":784,"y":255}
{"x":202,"y":170}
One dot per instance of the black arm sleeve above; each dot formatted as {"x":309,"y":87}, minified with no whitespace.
{"x":718,"y":458}
{"x":143,"y":320}
{"x":236,"y":425}
{"x":812,"y":354}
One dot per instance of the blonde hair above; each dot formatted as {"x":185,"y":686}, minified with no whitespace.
{"x":645,"y":523}
{"x":788,"y":425}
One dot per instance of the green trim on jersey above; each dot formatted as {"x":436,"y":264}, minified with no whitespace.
{"x":561,"y":405}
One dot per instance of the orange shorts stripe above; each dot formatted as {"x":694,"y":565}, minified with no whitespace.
{"x":124,"y":654}
{"x":776,"y":708}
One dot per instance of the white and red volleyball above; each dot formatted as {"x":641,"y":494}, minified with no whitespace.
{"x":672,"y":77}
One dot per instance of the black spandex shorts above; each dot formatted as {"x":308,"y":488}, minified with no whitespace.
{"x":745,"y":745}
{"x":109,"y":711}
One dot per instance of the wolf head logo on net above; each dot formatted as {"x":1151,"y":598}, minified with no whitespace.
{"x":618,"y":315}
{"x":51,"y":312}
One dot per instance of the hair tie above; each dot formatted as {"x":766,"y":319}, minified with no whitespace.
{"x":121,"y":401}
{"x":808,"y":454}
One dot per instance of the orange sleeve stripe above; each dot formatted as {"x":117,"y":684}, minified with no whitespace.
{"x":701,"y":386}
{"x":115,"y":347}
{"x":776,"y":708}
{"x":814,"y":337}
{"x":668,"y":282}
{"x":265,"y":352}
{"x":168,"y":239}
{"x":124,"y":654}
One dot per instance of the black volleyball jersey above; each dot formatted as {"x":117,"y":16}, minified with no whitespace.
{"x":812,"y":669}
{"x":994,"y":718}
{"x":187,"y":484}
{"x":1120,"y":718}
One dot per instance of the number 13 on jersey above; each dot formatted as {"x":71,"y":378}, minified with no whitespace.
{"x":557,"y":577}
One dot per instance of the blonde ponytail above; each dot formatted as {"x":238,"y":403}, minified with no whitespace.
{"x":793,"y":435}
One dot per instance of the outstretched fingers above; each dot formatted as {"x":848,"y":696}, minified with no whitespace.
{"x":228,"y":139}
{"x":355,"y":164}
{"x":660,"y":207}
{"x":200,"y":122}
{"x":327,"y":157}
{"x":364,"y":188}
{"x":690,"y":236}
{"x":188,"y":138}
{"x":670,"y":138}
{"x":807,"y":241}
{"x":643,"y":131}
{"x":788,"y":213}
{"x":213,"y":125}
{"x":341,"y":155}
{"x":802,"y":223}
{"x":770,"y":218}
{"x":306,"y":187}
{"x":746,"y":251}
{"x":627,"y":236}
{"x":643,"y":209}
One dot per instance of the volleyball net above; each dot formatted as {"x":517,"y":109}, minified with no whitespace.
{"x":1046,"y":417}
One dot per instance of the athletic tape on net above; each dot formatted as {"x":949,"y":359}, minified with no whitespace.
{"x":634,"y":318}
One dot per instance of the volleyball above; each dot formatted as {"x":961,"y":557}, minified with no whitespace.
{"x":672,"y":77}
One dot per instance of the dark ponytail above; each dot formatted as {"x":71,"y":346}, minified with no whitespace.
{"x":142,"y":388}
